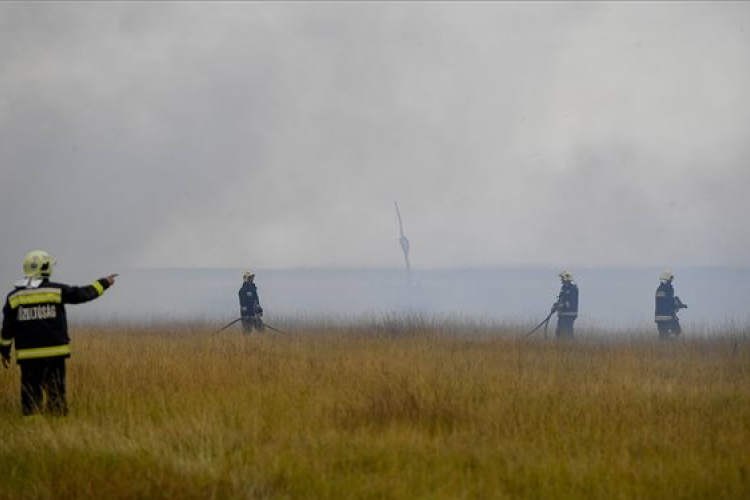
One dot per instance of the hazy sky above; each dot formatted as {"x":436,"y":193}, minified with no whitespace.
{"x":279,"y":134}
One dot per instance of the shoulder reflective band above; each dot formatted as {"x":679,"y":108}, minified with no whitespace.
{"x":35,"y":296}
{"x":98,"y":286}
{"x":43,"y":352}
{"x":4,"y":342}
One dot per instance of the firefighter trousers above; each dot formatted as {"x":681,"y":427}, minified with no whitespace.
{"x":669,"y":328}
{"x":564,"y":328}
{"x":251,"y":322}
{"x":39,"y":377}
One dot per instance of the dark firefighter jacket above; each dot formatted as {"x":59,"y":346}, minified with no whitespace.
{"x":666,"y":305}
{"x":567,"y":301}
{"x":35,"y":318}
{"x":249,"y":300}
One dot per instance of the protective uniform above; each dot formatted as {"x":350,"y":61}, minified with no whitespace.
{"x":250,"y":309}
{"x":566,"y":306}
{"x":34,"y":317}
{"x":667,"y":306}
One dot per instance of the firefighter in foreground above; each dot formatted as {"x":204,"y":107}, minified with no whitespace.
{"x":34,"y":316}
{"x":250,"y":309}
{"x":667,"y":307}
{"x":566,"y":306}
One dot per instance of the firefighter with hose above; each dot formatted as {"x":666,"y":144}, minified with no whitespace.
{"x":566,"y":306}
{"x":250,"y":310}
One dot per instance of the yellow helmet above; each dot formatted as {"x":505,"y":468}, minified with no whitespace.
{"x":667,"y":275}
{"x":248,"y":274}
{"x":566,"y":276}
{"x":38,"y":264}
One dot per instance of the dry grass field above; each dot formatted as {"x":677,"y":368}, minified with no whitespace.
{"x":384,"y":411}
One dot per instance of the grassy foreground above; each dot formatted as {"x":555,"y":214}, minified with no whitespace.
{"x":175,"y":412}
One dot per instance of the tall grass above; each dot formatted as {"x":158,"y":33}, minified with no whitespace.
{"x":392,"y":408}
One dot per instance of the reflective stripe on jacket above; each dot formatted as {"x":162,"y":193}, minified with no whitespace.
{"x":35,"y":318}
{"x":665,"y":304}
{"x":567,"y":300}
{"x":249,"y":299}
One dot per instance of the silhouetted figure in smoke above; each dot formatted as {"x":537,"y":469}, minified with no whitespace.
{"x":566,"y":306}
{"x":250,"y":309}
{"x":667,"y":306}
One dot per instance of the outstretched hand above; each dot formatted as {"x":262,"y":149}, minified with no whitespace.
{"x":111,"y":279}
